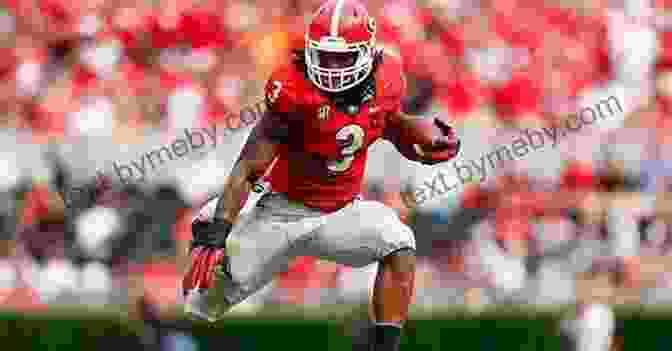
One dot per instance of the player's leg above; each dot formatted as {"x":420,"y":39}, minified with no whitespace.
{"x":256,"y":250}
{"x":7,"y":224}
{"x":366,"y":232}
{"x":392,"y":295}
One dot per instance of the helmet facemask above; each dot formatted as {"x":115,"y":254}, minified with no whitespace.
{"x":334,"y":66}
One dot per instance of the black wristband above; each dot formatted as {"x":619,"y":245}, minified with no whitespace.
{"x":210,"y":233}
{"x":221,"y":228}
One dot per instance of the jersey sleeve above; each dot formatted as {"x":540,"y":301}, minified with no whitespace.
{"x":280,"y":96}
{"x":393,"y":84}
{"x":281,"y":92}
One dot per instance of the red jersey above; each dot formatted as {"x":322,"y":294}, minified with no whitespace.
{"x":322,"y":159}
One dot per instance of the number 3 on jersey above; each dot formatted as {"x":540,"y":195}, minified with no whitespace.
{"x":350,"y":139}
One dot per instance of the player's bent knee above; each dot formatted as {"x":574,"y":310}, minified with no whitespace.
{"x":399,"y":241}
{"x":401,"y":261}
{"x":395,"y":233}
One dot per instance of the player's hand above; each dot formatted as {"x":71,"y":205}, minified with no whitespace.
{"x":444,"y":147}
{"x":204,"y":260}
{"x":208,"y":249}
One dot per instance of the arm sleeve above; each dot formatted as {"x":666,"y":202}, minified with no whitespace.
{"x":273,"y":127}
{"x":394,"y":89}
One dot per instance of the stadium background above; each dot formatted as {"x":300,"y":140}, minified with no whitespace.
{"x":136,"y":73}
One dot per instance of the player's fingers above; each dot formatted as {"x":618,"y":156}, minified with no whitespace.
{"x":206,"y":270}
{"x":444,"y":155}
{"x":190,"y":279}
{"x":446,"y":142}
{"x":201,"y":268}
{"x":210,"y":267}
{"x":443,"y":126}
{"x":192,"y":276}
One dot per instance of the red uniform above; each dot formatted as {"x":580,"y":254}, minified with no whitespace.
{"x":323,"y":160}
{"x":323,"y":114}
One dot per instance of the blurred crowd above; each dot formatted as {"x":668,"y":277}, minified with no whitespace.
{"x":72,"y":72}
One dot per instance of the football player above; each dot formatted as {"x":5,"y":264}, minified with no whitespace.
{"x":340,"y":96}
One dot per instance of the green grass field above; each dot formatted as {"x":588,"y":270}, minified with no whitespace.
{"x":326,"y":328}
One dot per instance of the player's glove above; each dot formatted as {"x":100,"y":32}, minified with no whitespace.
{"x":443,"y":147}
{"x":208,"y":249}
